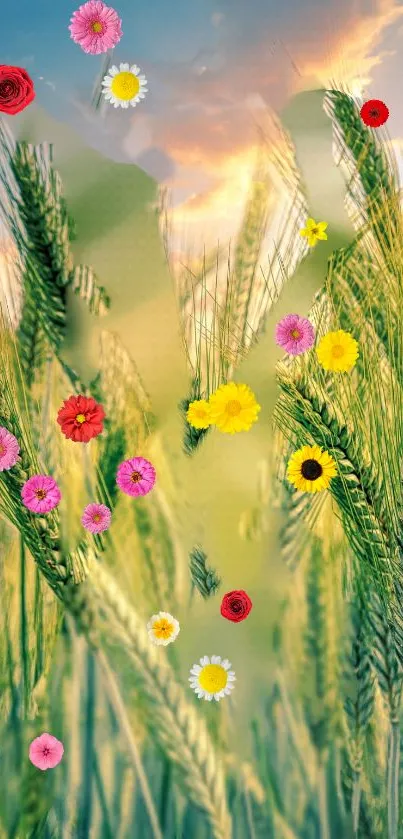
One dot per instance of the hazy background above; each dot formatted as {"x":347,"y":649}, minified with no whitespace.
{"x":211,"y":68}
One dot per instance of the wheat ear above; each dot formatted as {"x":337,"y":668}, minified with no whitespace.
{"x":179,"y":730}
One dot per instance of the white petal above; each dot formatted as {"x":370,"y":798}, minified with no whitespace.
{"x":216,"y":659}
{"x":124,"y":68}
{"x":208,"y":697}
{"x":134,"y":69}
{"x":113,"y":70}
{"x":205,"y":660}
{"x":231,"y":676}
{"x":226,"y":664}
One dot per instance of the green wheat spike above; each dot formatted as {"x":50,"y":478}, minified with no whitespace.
{"x":204,"y":578}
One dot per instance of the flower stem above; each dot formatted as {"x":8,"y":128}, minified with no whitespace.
{"x":356,"y":801}
{"x":120,"y":711}
{"x":322,"y":796}
{"x":393,"y":780}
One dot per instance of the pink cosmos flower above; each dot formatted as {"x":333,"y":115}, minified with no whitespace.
{"x":41,"y":494}
{"x":9,"y":449}
{"x":136,"y":476}
{"x":294,"y":334}
{"x":95,"y":27}
{"x":45,"y":752}
{"x":96,"y":518}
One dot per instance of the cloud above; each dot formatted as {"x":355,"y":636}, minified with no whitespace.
{"x":203,"y":113}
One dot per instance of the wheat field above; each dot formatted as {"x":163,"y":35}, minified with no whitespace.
{"x":308,"y":744}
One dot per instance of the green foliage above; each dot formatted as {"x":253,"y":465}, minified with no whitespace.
{"x":204,"y":578}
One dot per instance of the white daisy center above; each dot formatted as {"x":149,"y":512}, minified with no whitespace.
{"x":125,"y":86}
{"x":163,"y":628}
{"x":213,"y":678}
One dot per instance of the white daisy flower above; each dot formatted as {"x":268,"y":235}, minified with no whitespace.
{"x":124,"y":85}
{"x":212,"y":678}
{"x":163,"y":629}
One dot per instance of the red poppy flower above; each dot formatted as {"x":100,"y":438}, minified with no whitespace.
{"x":236,"y":606}
{"x":80,"y":418}
{"x":16,"y":89}
{"x":374,"y":113}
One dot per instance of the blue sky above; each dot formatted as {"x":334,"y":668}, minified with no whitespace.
{"x":208,"y":63}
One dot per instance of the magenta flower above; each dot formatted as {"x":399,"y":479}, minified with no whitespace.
{"x":41,"y":494}
{"x":96,"y":518}
{"x":136,"y":476}
{"x":45,"y":752}
{"x":294,"y":334}
{"x":9,"y":449}
{"x":96,"y":27}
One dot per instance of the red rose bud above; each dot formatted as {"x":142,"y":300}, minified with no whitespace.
{"x":374,"y":113}
{"x":16,"y":89}
{"x":236,"y":606}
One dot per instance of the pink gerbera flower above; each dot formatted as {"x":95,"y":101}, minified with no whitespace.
{"x":45,"y":752}
{"x":41,"y":494}
{"x":96,"y":27}
{"x":9,"y":449}
{"x":96,"y":518}
{"x":136,"y":476}
{"x":294,"y":334}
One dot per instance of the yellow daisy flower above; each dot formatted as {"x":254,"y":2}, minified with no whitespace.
{"x":233,"y":408}
{"x":163,"y":629}
{"x":337,"y":351}
{"x":198,"y":414}
{"x":310,"y":469}
{"x":314,"y":231}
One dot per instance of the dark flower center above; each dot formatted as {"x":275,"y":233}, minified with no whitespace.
{"x":46,"y":751}
{"x":40,"y":494}
{"x":135,"y":477}
{"x":311,"y":470}
{"x":236,"y":605}
{"x":374,"y":113}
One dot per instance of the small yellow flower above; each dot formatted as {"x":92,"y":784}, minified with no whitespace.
{"x":233,"y":408}
{"x":310,"y":469}
{"x":314,"y":231}
{"x":198,"y":414}
{"x":337,"y":351}
{"x":163,"y":629}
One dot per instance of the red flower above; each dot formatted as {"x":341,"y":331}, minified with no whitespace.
{"x":374,"y":113}
{"x":16,"y":89}
{"x":236,"y":606}
{"x":81,"y":418}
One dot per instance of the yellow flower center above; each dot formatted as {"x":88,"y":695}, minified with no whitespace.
{"x":163,"y":628}
{"x":337,"y":351}
{"x":96,"y":517}
{"x":295,"y":333}
{"x":80,"y":418}
{"x":2,"y":449}
{"x":213,"y":678}
{"x":40,"y":494}
{"x":234,"y":407}
{"x":125,"y":86}
{"x":96,"y":26}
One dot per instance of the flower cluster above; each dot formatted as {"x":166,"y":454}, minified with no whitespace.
{"x":231,"y":408}
{"x":97,"y":28}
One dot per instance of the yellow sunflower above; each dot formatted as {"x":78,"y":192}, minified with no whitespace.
{"x":337,"y":351}
{"x":310,"y":469}
{"x":233,"y":408}
{"x":198,"y":414}
{"x":314,"y":231}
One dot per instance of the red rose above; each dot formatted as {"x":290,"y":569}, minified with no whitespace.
{"x":236,"y":606}
{"x":374,"y":113}
{"x":16,"y":89}
{"x":80,"y":418}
